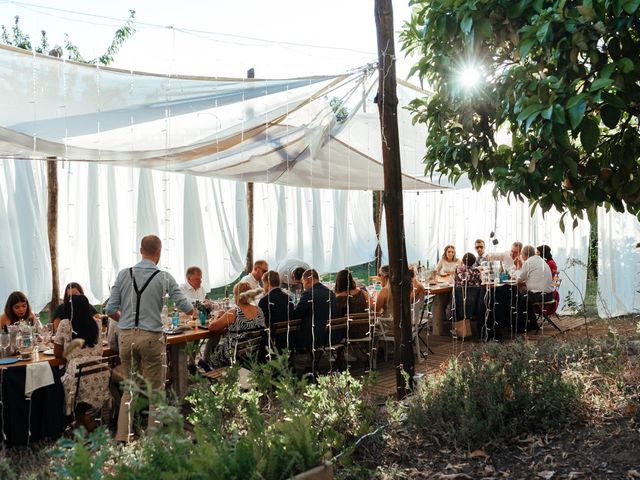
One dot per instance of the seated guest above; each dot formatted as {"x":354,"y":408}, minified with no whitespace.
{"x":417,"y":289}
{"x":382,"y":301}
{"x":535,"y":277}
{"x":72,"y":288}
{"x":235,"y":322}
{"x":446,"y":267}
{"x":467,"y":274}
{"x":291,"y":271}
{"x":192,"y":289}
{"x":511,"y":260}
{"x":349,"y":298}
{"x":276,"y":305}
{"x":481,"y":259}
{"x":17,"y":308}
{"x":316,"y":306}
{"x":545,"y":252}
{"x":79,"y":323}
{"x":260,"y":267}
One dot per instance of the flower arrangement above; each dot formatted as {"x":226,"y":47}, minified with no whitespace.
{"x":206,"y":306}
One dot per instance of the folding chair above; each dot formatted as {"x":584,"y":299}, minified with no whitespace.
{"x":549,"y":307}
{"x":369,"y":340}
{"x":334,"y":349}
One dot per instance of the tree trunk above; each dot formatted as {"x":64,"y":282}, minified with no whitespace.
{"x":249,"y":261}
{"x":399,"y":270}
{"x":377,"y":225}
{"x":52,"y":230}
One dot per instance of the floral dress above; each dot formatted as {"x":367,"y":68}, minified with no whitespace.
{"x":94,"y":389}
{"x":225,"y":351}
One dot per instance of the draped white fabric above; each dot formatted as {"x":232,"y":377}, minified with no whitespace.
{"x":328,"y":229}
{"x":276,"y":131}
{"x":433,"y":220}
{"x":25,"y":264}
{"x":618,"y":263}
{"x":104,"y":211}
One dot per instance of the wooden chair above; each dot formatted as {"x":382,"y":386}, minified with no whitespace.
{"x":544,"y":310}
{"x":335,"y":350}
{"x":251,"y":344}
{"x":366,"y":320}
{"x":287,"y":330}
{"x":89,"y":369}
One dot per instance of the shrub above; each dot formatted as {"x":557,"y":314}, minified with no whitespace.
{"x":497,"y":391}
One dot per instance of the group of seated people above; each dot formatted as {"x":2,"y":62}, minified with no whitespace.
{"x":532,"y":269}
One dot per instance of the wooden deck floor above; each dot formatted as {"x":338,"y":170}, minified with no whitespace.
{"x":445,"y":347}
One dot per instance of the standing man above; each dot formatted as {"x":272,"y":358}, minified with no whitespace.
{"x":260,"y":267}
{"x":135,"y":303}
{"x":192,"y":289}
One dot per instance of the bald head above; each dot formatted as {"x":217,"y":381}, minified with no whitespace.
{"x":150,"y":248}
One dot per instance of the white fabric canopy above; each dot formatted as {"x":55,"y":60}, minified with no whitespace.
{"x":277,"y":131}
{"x":24,"y":251}
{"x":618,"y":263}
{"x":433,"y":220}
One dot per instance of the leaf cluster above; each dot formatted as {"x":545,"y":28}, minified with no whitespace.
{"x":20,"y":39}
{"x":556,"y":120}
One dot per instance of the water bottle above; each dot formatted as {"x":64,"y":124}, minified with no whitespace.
{"x":164,"y":316}
{"x":175,"y":319}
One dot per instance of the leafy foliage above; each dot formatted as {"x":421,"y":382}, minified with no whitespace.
{"x":19,"y":39}
{"x":497,"y":392}
{"x":562,"y":81}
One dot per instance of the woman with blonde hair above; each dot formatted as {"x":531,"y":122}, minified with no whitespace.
{"x":235,"y":322}
{"x":446,"y":267}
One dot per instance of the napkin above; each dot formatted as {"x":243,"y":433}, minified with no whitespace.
{"x":38,"y":375}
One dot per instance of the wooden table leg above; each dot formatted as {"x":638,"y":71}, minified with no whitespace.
{"x":179,"y":374}
{"x":438,"y":307}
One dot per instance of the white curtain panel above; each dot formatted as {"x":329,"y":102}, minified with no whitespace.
{"x":618,"y":264}
{"x":25,"y":263}
{"x":104,"y":211}
{"x":433,"y":220}
{"x":328,"y":229}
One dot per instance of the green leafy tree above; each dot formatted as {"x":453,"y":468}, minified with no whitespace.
{"x":561,"y":84}
{"x":18,"y":38}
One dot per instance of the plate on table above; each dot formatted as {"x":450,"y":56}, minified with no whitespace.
{"x":173,"y":331}
{"x":8,"y":361}
{"x":48,"y":352}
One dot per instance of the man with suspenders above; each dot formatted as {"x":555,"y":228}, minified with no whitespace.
{"x":135,"y":303}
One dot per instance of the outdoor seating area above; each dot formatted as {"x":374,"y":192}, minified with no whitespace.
{"x":330,"y":239}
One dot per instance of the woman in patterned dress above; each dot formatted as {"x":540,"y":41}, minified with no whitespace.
{"x":79,"y":323}
{"x":245,"y":316}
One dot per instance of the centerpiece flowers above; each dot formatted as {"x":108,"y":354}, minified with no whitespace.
{"x":206,"y":306}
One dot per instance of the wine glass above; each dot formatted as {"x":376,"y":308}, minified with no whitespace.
{"x":5,"y":342}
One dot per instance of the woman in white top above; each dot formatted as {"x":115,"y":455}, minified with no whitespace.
{"x":446,"y":267}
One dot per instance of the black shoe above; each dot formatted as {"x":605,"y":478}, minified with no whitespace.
{"x":204,"y":365}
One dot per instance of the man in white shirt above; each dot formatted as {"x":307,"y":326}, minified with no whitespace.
{"x":511,"y":260}
{"x":260,"y":267}
{"x":535,"y":276}
{"x":193,"y":287}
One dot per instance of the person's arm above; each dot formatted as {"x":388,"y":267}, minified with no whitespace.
{"x":221,"y":324}
{"x":113,"y":305}
{"x":179,"y":298}
{"x":381,"y":300}
{"x":304,"y":305}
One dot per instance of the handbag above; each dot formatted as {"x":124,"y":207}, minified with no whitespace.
{"x":463,"y":328}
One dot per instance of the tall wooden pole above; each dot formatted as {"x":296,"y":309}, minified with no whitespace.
{"x":399,"y":269}
{"x":249,"y":261}
{"x":52,"y":231}
{"x":377,"y":225}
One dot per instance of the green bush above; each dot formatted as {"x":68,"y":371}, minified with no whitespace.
{"x":496,"y":392}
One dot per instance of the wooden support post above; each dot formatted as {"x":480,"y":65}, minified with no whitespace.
{"x":52,"y":231}
{"x":249,"y":261}
{"x":399,"y":270}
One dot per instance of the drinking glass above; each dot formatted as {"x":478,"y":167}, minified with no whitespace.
{"x":5,"y":342}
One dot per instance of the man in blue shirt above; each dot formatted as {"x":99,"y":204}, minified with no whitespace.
{"x":136,"y":303}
